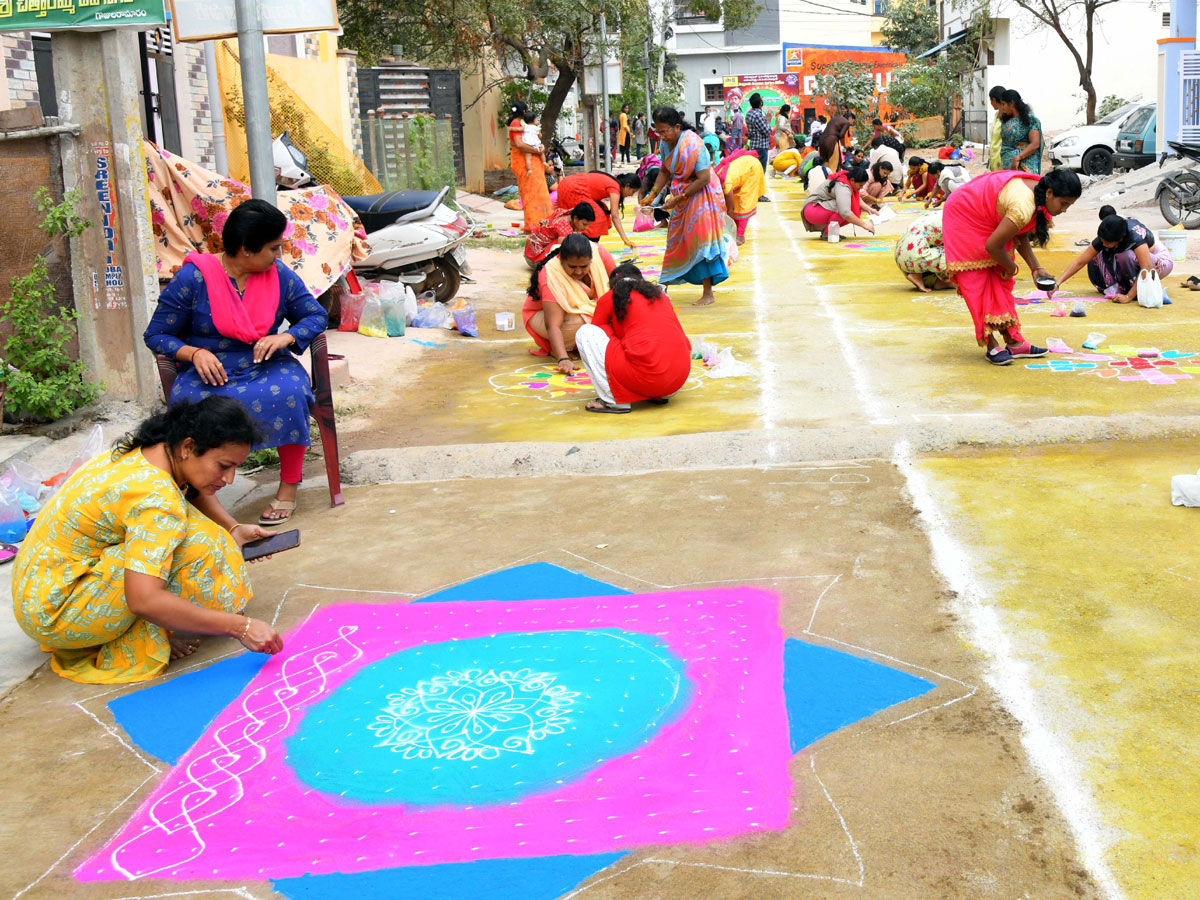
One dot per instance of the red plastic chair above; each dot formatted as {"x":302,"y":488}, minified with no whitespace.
{"x":321,"y":409}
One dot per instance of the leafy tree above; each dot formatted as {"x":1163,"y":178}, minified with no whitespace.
{"x":1110,"y":103}
{"x":911,"y":26}
{"x":925,"y":88}
{"x":1067,"y":19}
{"x":526,"y":37}
{"x":852,"y":84}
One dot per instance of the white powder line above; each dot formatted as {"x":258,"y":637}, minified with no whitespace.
{"x":688,"y":583}
{"x":765,"y":356}
{"x":858,"y":374}
{"x":54,"y":865}
{"x":237,"y":892}
{"x":1007,"y":675}
{"x":120,"y":740}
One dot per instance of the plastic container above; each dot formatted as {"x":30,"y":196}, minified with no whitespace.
{"x":1046,"y":284}
{"x":1176,"y":243}
{"x":505,"y":321}
{"x":834,"y":233}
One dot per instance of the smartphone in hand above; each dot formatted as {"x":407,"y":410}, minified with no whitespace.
{"x":276,"y":543}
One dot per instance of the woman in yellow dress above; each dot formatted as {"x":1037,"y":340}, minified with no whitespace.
{"x":135,"y":546}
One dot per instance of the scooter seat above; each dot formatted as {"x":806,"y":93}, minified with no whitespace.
{"x":380,"y":210}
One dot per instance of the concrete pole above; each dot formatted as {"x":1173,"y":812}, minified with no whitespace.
{"x":257,"y":105}
{"x":649,"y":105}
{"x":113,"y":267}
{"x":216,"y":108}
{"x":609,"y":142}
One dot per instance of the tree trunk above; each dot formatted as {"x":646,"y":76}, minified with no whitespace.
{"x":558,"y":95}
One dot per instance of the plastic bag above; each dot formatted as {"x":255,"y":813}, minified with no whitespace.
{"x":371,"y":321}
{"x":644,"y":220}
{"x":434,"y":315}
{"x":394,"y":296}
{"x":464,"y":320}
{"x":728,"y":367}
{"x":12,"y":517}
{"x":26,"y":482}
{"x":1150,"y":290}
{"x":352,"y":307}
{"x":1185,"y":490}
{"x":410,"y":304}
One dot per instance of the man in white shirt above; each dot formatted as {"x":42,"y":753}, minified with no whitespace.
{"x":709,"y":123}
{"x":883,"y":151}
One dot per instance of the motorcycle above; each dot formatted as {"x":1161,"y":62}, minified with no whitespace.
{"x":1178,"y":194}
{"x":415,"y":237}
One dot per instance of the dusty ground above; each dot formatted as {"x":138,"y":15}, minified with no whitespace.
{"x":850,"y":561}
{"x":1014,"y":544}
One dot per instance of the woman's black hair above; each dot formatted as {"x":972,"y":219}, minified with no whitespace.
{"x":518,"y":109}
{"x":1024,"y":113}
{"x":574,"y":245}
{"x":669,"y":115}
{"x":935,"y":166}
{"x":997,"y":93}
{"x":1064,"y":183}
{"x":755,"y":102}
{"x":624,"y":106}
{"x":530,"y":117}
{"x":785,"y":109}
{"x":877,"y":170}
{"x":251,"y":226}
{"x":876,"y":121}
{"x":1106,"y":210}
{"x":584,"y":211}
{"x":210,"y":423}
{"x":628,"y":180}
{"x":858,"y":174}
{"x":1113,"y":228}
{"x":914,"y":161}
{"x":624,"y":280}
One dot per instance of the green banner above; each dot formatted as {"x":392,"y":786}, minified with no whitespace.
{"x":46,"y":15}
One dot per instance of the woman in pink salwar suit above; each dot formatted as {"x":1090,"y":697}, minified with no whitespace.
{"x":983,"y":221}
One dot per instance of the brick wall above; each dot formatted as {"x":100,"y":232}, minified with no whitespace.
{"x":350,"y":60}
{"x":194,"y":112}
{"x":17,"y":50}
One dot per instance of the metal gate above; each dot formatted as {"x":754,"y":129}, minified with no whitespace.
{"x":393,"y":92}
{"x":1189,"y":96}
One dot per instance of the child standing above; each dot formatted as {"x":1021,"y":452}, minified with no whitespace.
{"x":531,"y":134}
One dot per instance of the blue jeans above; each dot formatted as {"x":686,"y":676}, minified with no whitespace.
{"x":641,"y":150}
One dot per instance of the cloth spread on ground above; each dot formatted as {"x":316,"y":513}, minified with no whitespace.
{"x":189,"y":205}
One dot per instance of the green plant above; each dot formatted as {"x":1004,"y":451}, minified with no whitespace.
{"x":266,"y":458}
{"x":910,"y":25}
{"x":38,"y":380}
{"x":852,"y":84}
{"x":1110,"y":103}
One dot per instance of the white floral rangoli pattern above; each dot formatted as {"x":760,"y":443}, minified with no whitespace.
{"x":474,"y":715}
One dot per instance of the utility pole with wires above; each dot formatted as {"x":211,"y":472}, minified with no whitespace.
{"x":605,"y":130}
{"x":646,"y":72}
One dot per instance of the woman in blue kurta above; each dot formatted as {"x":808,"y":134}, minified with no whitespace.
{"x":220,"y":317}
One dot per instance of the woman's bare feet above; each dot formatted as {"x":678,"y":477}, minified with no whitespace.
{"x":181,"y":647}
{"x":706,"y":299}
{"x":918,"y":282}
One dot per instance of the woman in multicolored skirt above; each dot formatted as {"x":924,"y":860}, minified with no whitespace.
{"x":920,"y":254}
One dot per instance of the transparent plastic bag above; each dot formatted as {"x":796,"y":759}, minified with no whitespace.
{"x":352,"y":307}
{"x":435,"y":315}
{"x":464,"y":320}
{"x":728,"y":367}
{"x":371,"y":322}
{"x":12,"y":517}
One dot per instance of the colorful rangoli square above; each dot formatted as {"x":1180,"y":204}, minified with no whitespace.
{"x":417,"y":734}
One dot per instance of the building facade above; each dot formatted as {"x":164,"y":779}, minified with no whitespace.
{"x":706,"y":52}
{"x":1024,"y":55}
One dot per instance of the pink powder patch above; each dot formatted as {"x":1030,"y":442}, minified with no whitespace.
{"x":234,"y":809}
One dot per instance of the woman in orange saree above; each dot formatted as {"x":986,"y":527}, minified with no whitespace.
{"x":527,"y":165}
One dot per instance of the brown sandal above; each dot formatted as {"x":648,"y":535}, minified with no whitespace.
{"x":277,"y":505}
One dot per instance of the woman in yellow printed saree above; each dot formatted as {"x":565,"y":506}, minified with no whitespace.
{"x":135,"y":546}
{"x":695,"y":252}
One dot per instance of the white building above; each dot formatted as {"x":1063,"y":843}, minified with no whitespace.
{"x":1026,"y":56}
{"x":706,"y":52}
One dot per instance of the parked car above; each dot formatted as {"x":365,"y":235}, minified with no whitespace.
{"x":1135,"y":143}
{"x":1091,"y":147}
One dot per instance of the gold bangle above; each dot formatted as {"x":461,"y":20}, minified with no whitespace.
{"x":246,"y":630}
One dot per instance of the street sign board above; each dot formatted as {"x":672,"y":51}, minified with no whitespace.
{"x":80,"y":15}
{"x":205,"y":20}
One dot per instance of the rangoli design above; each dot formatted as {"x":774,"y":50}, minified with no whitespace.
{"x":542,"y":382}
{"x":473,"y":714}
{"x":1120,"y":362}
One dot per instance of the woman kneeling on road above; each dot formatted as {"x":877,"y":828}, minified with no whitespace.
{"x":634,"y":349}
{"x":562,"y":296}
{"x":983,"y":220}
{"x":837,"y":200}
{"x":1122,"y":250}
{"x":135,"y":546}
{"x":552,"y":230}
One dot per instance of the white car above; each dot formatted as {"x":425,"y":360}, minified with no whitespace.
{"x":1090,"y":148}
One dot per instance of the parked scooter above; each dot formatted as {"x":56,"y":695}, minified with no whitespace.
{"x":416,"y":237}
{"x":1179,"y":193}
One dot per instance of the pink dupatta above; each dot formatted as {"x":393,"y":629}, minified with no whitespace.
{"x":243,"y":318}
{"x":970,"y":219}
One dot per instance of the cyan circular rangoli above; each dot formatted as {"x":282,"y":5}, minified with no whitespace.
{"x":488,"y":720}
